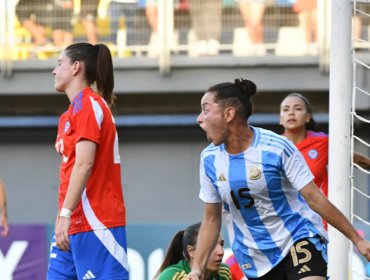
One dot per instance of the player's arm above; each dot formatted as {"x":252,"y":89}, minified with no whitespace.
{"x":320,"y":204}
{"x":3,"y":210}
{"x":361,"y":160}
{"x":85,"y":156}
{"x":207,"y":238}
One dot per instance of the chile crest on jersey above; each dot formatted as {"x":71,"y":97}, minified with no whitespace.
{"x":67,"y":127}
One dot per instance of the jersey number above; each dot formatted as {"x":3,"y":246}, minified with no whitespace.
{"x":244,"y":194}
{"x":298,"y":248}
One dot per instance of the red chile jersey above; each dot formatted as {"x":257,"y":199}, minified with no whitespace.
{"x":236,"y":272}
{"x":101,"y":205}
{"x":314,"y":149}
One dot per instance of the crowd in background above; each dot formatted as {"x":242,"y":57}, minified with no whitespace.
{"x":53,"y":22}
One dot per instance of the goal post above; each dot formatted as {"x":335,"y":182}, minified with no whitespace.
{"x":340,"y":92}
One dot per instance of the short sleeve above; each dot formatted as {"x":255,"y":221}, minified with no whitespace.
{"x":88,"y":121}
{"x":296,"y":169}
{"x":208,"y":192}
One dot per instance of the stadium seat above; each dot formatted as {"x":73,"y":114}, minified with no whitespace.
{"x":242,"y":45}
{"x":291,"y":42}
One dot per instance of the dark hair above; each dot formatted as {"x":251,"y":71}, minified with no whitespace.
{"x":311,"y":125}
{"x":177,"y":250}
{"x":237,"y":94}
{"x":98,"y":66}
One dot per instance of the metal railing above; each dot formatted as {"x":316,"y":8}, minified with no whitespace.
{"x":283,"y":33}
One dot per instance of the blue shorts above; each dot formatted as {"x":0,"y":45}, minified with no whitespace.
{"x":99,"y":254}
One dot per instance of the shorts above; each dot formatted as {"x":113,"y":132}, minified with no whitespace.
{"x":307,"y":257}
{"x":100,"y":254}
{"x":89,"y":9}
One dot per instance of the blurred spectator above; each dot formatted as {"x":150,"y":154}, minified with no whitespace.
{"x":206,"y":16}
{"x":360,"y":18}
{"x":62,"y":22}
{"x":117,"y":10}
{"x":32,"y":14}
{"x":252,"y":12}
{"x":307,"y":13}
{"x":88,"y":13}
{"x":151,"y":12}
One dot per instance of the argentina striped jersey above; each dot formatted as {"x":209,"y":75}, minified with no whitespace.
{"x":259,"y":189}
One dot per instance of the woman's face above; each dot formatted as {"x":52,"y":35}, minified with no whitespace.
{"x":216,"y":256}
{"x":211,"y":119}
{"x":293,"y":113}
{"x":63,"y":72}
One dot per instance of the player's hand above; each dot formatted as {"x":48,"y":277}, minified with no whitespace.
{"x":363,"y":247}
{"x":4,"y":224}
{"x":61,"y":233}
{"x":194,"y":275}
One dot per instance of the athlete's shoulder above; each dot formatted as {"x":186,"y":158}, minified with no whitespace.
{"x":224,"y":272}
{"x":317,"y":134}
{"x":314,"y":139}
{"x":210,"y":149}
{"x":268,"y":135}
{"x":270,"y":141}
{"x":173,"y":272}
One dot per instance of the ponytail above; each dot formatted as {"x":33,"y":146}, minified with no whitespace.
{"x":178,"y":249}
{"x":237,"y":94}
{"x":174,"y":253}
{"x":98,"y":67}
{"x":104,"y":74}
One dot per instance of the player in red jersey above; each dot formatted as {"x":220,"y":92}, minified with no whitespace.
{"x":236,"y":272}
{"x":90,"y":235}
{"x":299,"y":126}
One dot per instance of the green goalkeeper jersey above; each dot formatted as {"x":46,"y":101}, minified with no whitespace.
{"x":180,"y":270}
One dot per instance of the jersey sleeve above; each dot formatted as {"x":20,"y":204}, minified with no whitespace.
{"x":88,"y":121}
{"x":224,"y":272}
{"x":296,"y":168}
{"x":208,"y":192}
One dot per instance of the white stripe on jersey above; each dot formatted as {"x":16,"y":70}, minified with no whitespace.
{"x":98,"y":111}
{"x":103,"y":234}
{"x":259,"y":188}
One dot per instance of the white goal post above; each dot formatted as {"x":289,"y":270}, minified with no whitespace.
{"x":340,"y":90}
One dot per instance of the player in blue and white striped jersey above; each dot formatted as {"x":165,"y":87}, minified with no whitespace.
{"x":265,"y":186}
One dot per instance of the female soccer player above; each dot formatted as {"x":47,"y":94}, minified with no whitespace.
{"x":299,"y":126}
{"x":180,"y":254}
{"x":90,"y":234}
{"x":264,"y":183}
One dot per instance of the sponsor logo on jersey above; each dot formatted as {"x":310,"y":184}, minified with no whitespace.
{"x":254,"y":173}
{"x":304,"y":269}
{"x":313,"y":153}
{"x":221,"y":178}
{"x":89,"y":275}
{"x":246,"y":266}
